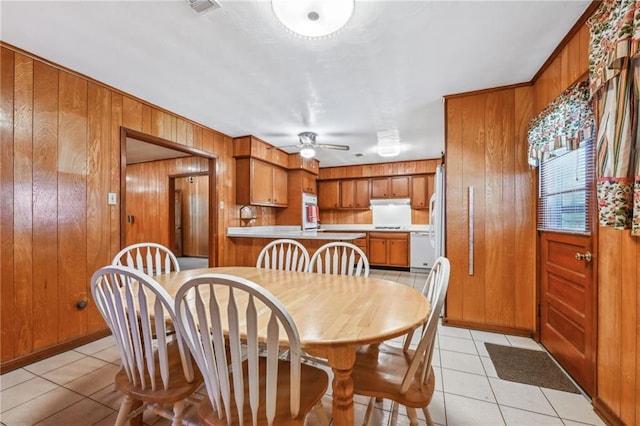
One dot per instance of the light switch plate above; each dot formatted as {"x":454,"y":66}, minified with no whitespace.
{"x":112,"y":199}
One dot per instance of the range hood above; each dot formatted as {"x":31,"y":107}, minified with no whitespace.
{"x":390,"y":202}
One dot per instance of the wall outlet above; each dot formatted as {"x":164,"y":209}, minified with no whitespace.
{"x":112,"y":199}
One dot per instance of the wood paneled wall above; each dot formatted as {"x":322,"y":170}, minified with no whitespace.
{"x":569,"y":66}
{"x":618,"y":269}
{"x":486,"y":150}
{"x":618,"y":359}
{"x":60,"y":142}
{"x":195,"y":215}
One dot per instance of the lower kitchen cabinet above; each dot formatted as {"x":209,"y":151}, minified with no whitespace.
{"x":389,"y":249}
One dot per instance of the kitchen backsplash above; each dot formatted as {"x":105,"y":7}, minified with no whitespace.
{"x":391,"y":215}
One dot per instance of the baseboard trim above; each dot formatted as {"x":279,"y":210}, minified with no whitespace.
{"x":488,"y":327}
{"x":603,"y":410}
{"x":41,"y":354}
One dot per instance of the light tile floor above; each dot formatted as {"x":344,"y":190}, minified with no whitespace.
{"x":76,"y":387}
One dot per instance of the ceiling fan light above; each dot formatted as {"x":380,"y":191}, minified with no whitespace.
{"x":307,"y":152}
{"x":313,"y":18}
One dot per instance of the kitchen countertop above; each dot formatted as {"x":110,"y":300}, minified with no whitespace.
{"x":372,"y":228}
{"x":326,"y":232}
{"x":292,"y":232}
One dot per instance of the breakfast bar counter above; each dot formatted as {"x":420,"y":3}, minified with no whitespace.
{"x":291,"y":232}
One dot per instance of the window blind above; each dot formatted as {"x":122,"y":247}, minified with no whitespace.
{"x":565,"y":196}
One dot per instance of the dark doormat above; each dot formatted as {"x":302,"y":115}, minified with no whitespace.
{"x":529,"y":367}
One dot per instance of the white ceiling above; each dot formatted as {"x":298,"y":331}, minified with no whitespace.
{"x":238,"y":71}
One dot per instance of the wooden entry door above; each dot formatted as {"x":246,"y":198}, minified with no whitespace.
{"x":568,"y":304}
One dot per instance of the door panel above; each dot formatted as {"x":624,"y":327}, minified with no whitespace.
{"x":567,"y":305}
{"x":178,"y":223}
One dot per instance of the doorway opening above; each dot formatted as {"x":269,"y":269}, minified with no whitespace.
{"x":189,"y":218}
{"x":149,"y":168}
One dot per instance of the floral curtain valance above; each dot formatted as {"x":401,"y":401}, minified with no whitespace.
{"x":614,"y":73}
{"x":615,"y":36}
{"x":564,"y":123}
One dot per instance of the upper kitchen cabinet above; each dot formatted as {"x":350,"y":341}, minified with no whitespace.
{"x":311,"y":165}
{"x":354,"y":194}
{"x":260,"y":183}
{"x":421,"y":191}
{"x":250,"y":146}
{"x":390,"y":187}
{"x":329,"y":194}
{"x":298,"y":182}
{"x":261,"y":173}
{"x":303,"y":175}
{"x":308,"y":182}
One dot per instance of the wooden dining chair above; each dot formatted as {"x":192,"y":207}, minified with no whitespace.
{"x":284,"y":254}
{"x":155,"y":369}
{"x":430,"y":291}
{"x":405,"y":376}
{"x":243,"y":387}
{"x":150,"y":258}
{"x":340,"y":258}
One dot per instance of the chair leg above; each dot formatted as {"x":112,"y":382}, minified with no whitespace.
{"x":394,"y":414}
{"x":321,"y":414}
{"x":369,"y":412}
{"x":427,"y":415}
{"x":125,"y":407}
{"x":178,"y":408}
{"x":413,"y":416}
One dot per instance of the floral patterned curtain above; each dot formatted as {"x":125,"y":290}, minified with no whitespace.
{"x":614,"y":73}
{"x":564,"y":123}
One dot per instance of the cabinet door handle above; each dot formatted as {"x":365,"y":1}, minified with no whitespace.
{"x":471,"y":230}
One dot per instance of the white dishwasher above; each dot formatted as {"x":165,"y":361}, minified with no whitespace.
{"x":422,"y":252}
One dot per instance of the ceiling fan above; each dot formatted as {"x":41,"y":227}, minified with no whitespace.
{"x":308,"y":145}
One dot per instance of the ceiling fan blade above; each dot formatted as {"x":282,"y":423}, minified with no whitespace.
{"x":333,"y":146}
{"x":289,"y":146}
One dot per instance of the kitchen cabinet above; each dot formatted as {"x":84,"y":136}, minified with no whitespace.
{"x":490,"y":214}
{"x":260,"y":183}
{"x":309,"y":184}
{"x":298,"y":182}
{"x":389,"y":249}
{"x":309,"y":164}
{"x":329,"y":194}
{"x":421,"y":190}
{"x":354,"y":194}
{"x":390,"y":187}
{"x":251,"y":146}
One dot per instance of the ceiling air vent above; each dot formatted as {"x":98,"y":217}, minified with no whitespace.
{"x":201,"y":6}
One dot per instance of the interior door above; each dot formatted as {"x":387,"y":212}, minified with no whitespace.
{"x":568,"y":304}
{"x":178,"y":222}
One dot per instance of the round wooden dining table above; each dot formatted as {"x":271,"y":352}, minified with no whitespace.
{"x":334,"y":314}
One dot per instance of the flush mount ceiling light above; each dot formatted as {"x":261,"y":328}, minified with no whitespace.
{"x":388,"y":143}
{"x":307,"y":152}
{"x":313,"y":18}
{"x":388,"y":150}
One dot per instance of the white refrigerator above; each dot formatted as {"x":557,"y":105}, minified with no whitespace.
{"x":436,"y":219}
